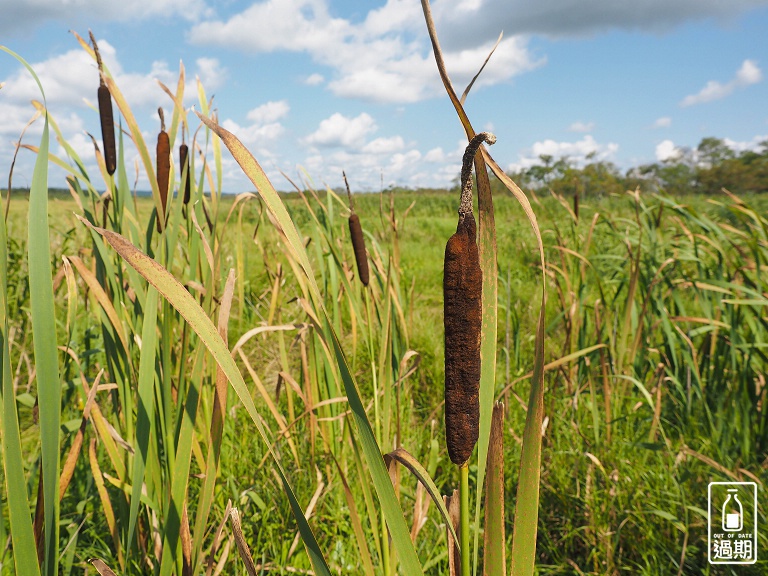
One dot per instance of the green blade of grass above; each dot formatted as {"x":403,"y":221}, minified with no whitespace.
{"x":196,"y":317}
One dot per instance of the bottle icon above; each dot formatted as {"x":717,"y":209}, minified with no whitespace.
{"x":733,"y":513}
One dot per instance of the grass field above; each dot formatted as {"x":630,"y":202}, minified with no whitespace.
{"x":631,"y":440}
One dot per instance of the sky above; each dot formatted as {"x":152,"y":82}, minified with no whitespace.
{"x":315,"y":87}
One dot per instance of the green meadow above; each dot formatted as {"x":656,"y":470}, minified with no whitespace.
{"x":659,"y":299}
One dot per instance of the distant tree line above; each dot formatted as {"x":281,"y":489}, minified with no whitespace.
{"x":708,"y":168}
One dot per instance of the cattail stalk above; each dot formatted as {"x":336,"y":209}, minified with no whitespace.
{"x":358,"y":241}
{"x":163,"y":169}
{"x":105,"y":114}
{"x":462,"y":317}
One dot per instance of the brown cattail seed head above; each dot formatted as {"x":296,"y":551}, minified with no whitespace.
{"x":163,"y":168}
{"x":107,"y":128}
{"x":105,"y":114}
{"x":358,"y":242}
{"x":184,"y":163}
{"x":462,"y":292}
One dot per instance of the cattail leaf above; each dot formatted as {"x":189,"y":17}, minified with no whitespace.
{"x":106,"y":504}
{"x":101,"y":567}
{"x":357,"y":527}
{"x":103,"y":299}
{"x":242,"y":545}
{"x":495,"y":541}
{"x":402,"y":456}
{"x":17,"y":501}
{"x":192,"y":312}
{"x":46,"y":353}
{"x":146,"y":407}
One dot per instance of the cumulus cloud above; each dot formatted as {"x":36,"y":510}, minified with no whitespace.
{"x":66,"y":79}
{"x":314,"y":79}
{"x":349,"y":143}
{"x":269,"y":112}
{"x":264,"y":128}
{"x":579,"y":152}
{"x":756,"y":144}
{"x":23,"y":16}
{"x":663,"y":122}
{"x":386,"y":58}
{"x":340,"y":130}
{"x":666,"y":150}
{"x":749,"y":73}
{"x":581,"y":127}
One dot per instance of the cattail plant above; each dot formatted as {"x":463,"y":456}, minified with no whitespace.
{"x":462,"y":292}
{"x":184,"y":163}
{"x":105,"y":114}
{"x":163,"y":168}
{"x":358,"y":242}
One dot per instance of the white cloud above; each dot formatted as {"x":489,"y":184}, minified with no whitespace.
{"x":749,"y":73}
{"x":581,"y":127}
{"x":384,"y":145}
{"x":211,"y":73}
{"x":435,"y":156}
{"x":579,"y":152}
{"x":66,"y":78}
{"x":340,"y":130}
{"x":269,"y":112}
{"x":314,"y":79}
{"x":666,"y":150}
{"x":385,"y":59}
{"x":263,"y":132}
{"x":742,"y":146}
{"x":663,"y":122}
{"x":347,"y":143}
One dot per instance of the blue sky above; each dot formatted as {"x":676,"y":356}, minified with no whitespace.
{"x":329,"y":85}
